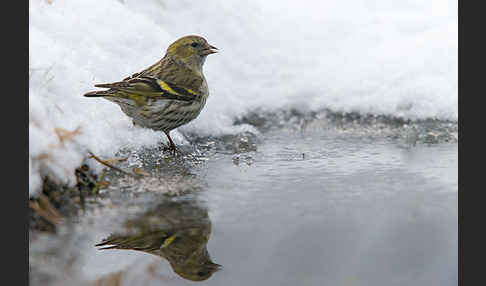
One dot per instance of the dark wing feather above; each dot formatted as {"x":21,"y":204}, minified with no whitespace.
{"x":144,"y":241}
{"x":152,"y":87}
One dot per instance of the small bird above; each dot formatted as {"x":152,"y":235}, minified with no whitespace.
{"x":168,"y":94}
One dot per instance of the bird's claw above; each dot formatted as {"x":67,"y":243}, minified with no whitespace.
{"x":174,"y":151}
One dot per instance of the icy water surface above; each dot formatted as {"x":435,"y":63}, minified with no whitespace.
{"x":304,"y":208}
{"x":347,"y":212}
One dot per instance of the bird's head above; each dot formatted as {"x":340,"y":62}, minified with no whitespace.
{"x":192,"y":50}
{"x":197,"y":272}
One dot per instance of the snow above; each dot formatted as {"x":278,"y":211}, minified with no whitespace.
{"x":383,"y":57}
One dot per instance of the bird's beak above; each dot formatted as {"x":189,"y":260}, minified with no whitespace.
{"x":209,"y":50}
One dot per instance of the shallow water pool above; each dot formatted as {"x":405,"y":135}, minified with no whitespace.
{"x":325,"y":208}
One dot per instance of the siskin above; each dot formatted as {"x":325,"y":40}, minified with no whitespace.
{"x":176,"y":231}
{"x":168,"y":94}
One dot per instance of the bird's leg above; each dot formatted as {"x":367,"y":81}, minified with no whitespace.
{"x":172,"y":146}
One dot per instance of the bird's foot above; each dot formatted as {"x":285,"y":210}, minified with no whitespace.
{"x":174,"y":151}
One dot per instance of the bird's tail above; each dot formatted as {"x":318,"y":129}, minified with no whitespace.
{"x":98,"y":93}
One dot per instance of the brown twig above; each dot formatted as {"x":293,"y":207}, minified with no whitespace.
{"x":109,"y":165}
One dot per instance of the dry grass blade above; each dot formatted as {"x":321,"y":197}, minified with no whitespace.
{"x":110,"y":165}
{"x":45,"y":209}
{"x":140,"y":171}
{"x":116,"y":160}
{"x":66,"y":135}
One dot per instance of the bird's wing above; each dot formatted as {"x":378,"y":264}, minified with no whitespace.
{"x":144,"y":241}
{"x":152,"y":87}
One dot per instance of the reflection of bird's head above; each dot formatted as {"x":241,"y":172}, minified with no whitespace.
{"x":197,"y":266}
{"x":197,"y":272}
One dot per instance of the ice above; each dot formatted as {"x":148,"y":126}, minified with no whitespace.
{"x":396,"y":58}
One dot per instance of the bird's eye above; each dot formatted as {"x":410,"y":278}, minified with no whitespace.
{"x":194,"y":44}
{"x":200,"y":273}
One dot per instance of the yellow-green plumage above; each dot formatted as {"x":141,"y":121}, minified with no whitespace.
{"x":168,"y":94}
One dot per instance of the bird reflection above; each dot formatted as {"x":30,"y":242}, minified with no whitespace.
{"x":176,"y":231}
